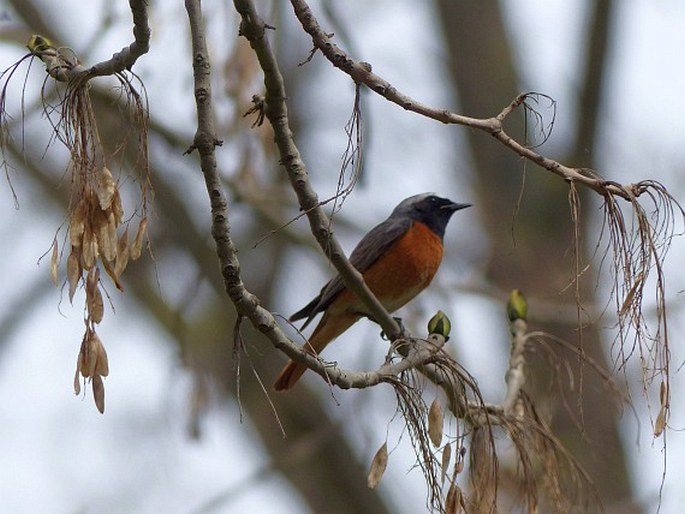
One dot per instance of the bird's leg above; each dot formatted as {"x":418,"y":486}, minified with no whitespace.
{"x":402,"y":334}
{"x":389,"y":355}
{"x":400,"y":323}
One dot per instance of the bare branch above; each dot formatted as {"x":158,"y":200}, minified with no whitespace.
{"x":254,"y":29}
{"x":127,"y":57}
{"x":245,"y":302}
{"x":62,"y":64}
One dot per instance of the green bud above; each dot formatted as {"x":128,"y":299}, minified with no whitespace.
{"x":38,"y":43}
{"x":440,"y":324}
{"x":517,"y":307}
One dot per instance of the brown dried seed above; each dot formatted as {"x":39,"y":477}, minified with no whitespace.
{"x":117,"y":209}
{"x":74,"y":272}
{"x":435,"y":422}
{"x":54,"y":261}
{"x":105,"y":188}
{"x":84,"y":364}
{"x":378,"y":465}
{"x":122,"y":254}
{"x":628,"y":301}
{"x":77,"y":224}
{"x":112,"y":230}
{"x":453,"y":500}
{"x":90,"y":250}
{"x":91,"y":354}
{"x":107,"y":240}
{"x":96,"y":307}
{"x":101,"y":361}
{"x":663,"y":393}
{"x":446,"y":457}
{"x":82,"y":361}
{"x":92,"y":280}
{"x":137,"y":246}
{"x":77,"y":381}
{"x":660,"y":423}
{"x":109,"y":268}
{"x":99,"y":393}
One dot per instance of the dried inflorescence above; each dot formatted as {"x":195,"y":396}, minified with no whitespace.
{"x":92,"y":364}
{"x":98,"y":232}
{"x":94,"y":234}
{"x":97,"y":229}
{"x":433,"y":434}
{"x":637,"y":242}
{"x":459,"y":425}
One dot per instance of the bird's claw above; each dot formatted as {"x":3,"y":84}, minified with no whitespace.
{"x":401,"y":334}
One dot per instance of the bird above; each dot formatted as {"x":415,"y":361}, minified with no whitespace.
{"x":398,"y":259}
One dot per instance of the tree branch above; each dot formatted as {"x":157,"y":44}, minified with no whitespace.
{"x":127,"y":57}
{"x":361,"y":73}
{"x":246,"y":303}
{"x":62,"y":65}
{"x":254,"y":29}
{"x":515,"y":377}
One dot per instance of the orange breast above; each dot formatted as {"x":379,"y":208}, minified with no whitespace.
{"x":404,"y":271}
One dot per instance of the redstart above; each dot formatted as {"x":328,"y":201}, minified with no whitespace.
{"x":398,"y":259}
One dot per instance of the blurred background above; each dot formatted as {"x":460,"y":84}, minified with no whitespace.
{"x":176,"y":436}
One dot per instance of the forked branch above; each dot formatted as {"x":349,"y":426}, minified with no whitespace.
{"x":62,"y":64}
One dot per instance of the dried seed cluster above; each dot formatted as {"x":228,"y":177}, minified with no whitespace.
{"x":95,"y":215}
{"x":95,"y":218}
{"x":93,"y":233}
{"x":92,"y":364}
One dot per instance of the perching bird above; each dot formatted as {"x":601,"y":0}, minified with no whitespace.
{"x":397,"y":259}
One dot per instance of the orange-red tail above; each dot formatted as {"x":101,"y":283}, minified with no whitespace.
{"x":330,"y":327}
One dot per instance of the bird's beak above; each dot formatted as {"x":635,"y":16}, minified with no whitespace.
{"x":456,"y":206}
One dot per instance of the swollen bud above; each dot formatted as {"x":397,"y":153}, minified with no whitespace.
{"x":440,"y":324}
{"x":38,"y":43}
{"x":517,"y":307}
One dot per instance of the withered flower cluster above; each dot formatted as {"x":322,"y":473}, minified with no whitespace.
{"x":96,"y":215}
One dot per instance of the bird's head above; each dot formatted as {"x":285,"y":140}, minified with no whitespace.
{"x":430,"y":209}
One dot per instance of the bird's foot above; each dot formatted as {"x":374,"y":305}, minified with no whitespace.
{"x":402,"y":333}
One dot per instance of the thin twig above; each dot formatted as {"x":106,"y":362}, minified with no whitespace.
{"x":515,"y":377}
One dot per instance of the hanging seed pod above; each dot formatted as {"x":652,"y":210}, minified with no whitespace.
{"x":378,"y":465}
{"x":445,"y":463}
{"x":435,"y":423}
{"x":74,"y":273}
{"x":99,"y":393}
{"x":54,"y":261}
{"x":105,"y":188}
{"x":137,"y":247}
